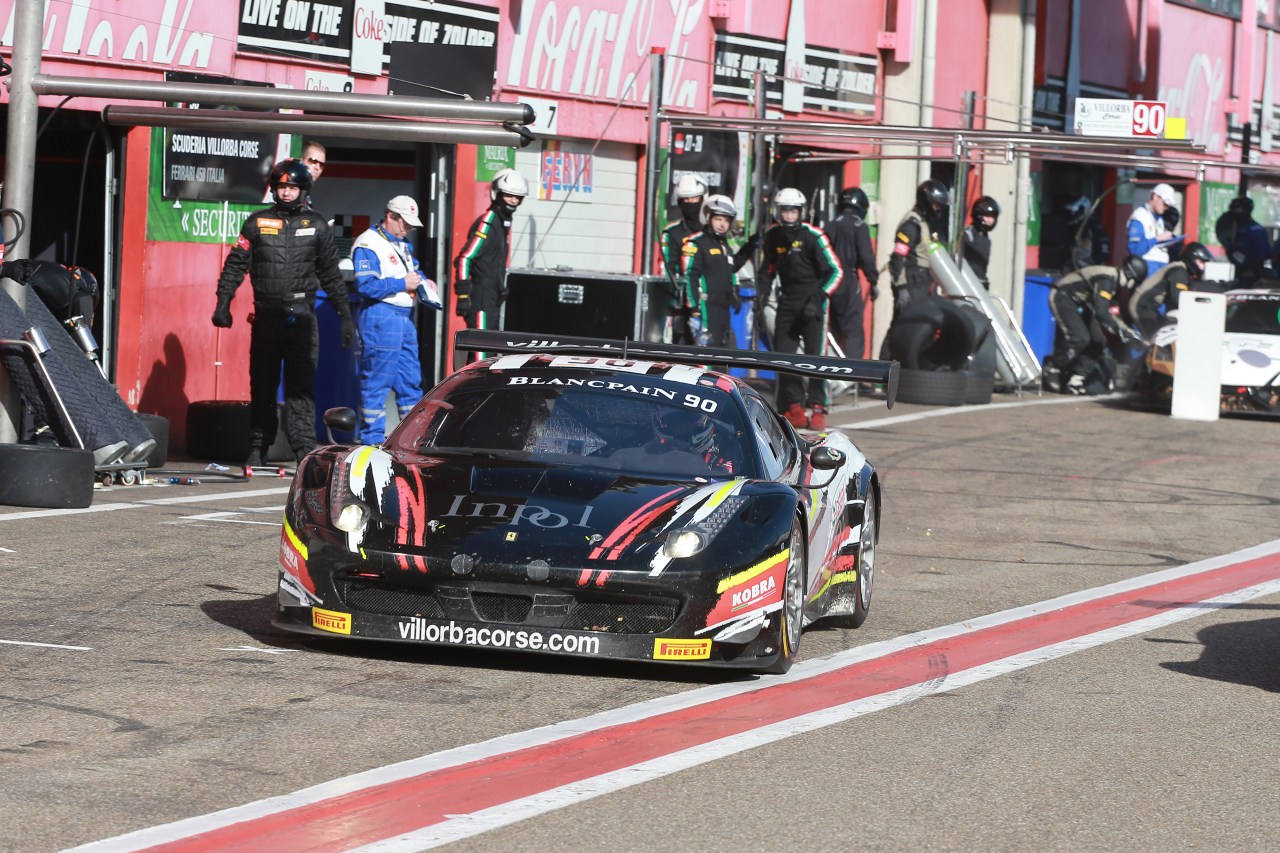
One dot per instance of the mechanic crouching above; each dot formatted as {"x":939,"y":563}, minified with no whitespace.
{"x":1162,"y":288}
{"x":1081,"y":304}
{"x":285,"y":249}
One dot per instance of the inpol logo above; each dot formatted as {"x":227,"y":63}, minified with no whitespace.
{"x":539,"y":516}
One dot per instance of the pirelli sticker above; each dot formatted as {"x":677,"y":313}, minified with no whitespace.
{"x":331,"y":621}
{"x":681,"y":649}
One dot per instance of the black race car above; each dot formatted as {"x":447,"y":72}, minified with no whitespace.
{"x":589,"y":498}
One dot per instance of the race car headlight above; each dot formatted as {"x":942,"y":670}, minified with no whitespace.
{"x":351,"y":517}
{"x":684,"y":543}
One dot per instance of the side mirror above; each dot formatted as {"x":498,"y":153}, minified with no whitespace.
{"x":826,"y":458}
{"x":340,"y":418}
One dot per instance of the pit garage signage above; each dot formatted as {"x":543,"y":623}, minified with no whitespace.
{"x":215,"y":164}
{"x":366,"y":35}
{"x":833,"y":80}
{"x":1121,"y":119}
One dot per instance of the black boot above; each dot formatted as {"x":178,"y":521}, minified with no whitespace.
{"x":257,"y":450}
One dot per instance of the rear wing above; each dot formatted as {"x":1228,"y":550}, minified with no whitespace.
{"x":814,"y":366}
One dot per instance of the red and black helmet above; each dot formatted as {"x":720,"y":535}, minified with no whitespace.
{"x":291,"y":172}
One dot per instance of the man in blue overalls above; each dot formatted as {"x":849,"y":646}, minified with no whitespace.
{"x":386,"y":276}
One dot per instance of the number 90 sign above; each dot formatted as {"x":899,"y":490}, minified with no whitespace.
{"x":1148,"y":118}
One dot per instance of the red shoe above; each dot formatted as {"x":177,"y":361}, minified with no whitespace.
{"x":796,"y":416}
{"x":818,"y":420}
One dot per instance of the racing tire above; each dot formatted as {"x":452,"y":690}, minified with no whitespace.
{"x":980,"y":371}
{"x":791,"y":615}
{"x":218,"y":430}
{"x":932,"y":387}
{"x":158,"y":426}
{"x":37,"y":475}
{"x":979,"y":387}
{"x":932,"y":334}
{"x":863,"y":586}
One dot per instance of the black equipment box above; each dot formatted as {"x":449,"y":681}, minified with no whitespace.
{"x":599,"y":305}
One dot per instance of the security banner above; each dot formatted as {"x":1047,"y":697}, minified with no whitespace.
{"x":198,"y":221}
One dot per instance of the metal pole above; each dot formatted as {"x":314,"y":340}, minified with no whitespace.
{"x":759,"y":210}
{"x":1246,"y":147}
{"x":270,"y":98}
{"x":356,"y":127}
{"x":656,"y":58}
{"x":19,"y":170}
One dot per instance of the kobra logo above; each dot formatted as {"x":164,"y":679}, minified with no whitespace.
{"x":753,"y":593}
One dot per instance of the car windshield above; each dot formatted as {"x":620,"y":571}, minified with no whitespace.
{"x":1254,"y":316}
{"x":641,"y":427}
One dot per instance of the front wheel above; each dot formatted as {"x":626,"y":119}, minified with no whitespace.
{"x":790,"y":618}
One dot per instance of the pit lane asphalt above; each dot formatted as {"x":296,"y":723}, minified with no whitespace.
{"x":185,"y":700}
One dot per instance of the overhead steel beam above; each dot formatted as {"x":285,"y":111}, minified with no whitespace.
{"x":261,"y":97}
{"x":897,"y":134}
{"x":341,"y":126}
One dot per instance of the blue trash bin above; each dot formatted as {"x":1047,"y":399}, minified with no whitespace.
{"x":337,"y":372}
{"x":1037,"y":318}
{"x":740,"y":323}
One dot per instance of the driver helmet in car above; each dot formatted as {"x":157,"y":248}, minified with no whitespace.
{"x":686,"y":430}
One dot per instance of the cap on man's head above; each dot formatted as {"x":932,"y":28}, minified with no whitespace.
{"x":1165,"y":192}
{"x":407,"y":208}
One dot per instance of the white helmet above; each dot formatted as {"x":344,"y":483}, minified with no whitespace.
{"x":508,"y":182}
{"x":789,"y":197}
{"x":720,"y":205}
{"x":690,"y":186}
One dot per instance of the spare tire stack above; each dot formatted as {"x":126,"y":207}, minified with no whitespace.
{"x":947,"y":352}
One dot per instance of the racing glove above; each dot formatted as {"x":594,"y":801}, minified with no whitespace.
{"x":222,"y":314}
{"x":502,"y":296}
{"x":19,"y":270}
{"x":875,"y":293}
{"x":462,"y":298}
{"x":346,"y":330}
{"x":735,"y":300}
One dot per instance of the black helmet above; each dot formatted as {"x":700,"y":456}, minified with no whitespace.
{"x":983,"y":207}
{"x":1195,"y":256}
{"x":85,"y":281}
{"x":1241,"y":206}
{"x":686,"y":430}
{"x":291,"y":173}
{"x":1134,"y":268}
{"x":855,"y":198}
{"x":1171,"y":217}
{"x":931,"y":197}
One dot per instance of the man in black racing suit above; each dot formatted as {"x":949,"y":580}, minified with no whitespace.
{"x":808,"y":272}
{"x":286,"y":249}
{"x":1081,"y":303}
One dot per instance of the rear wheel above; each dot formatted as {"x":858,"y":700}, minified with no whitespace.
{"x":791,"y":616}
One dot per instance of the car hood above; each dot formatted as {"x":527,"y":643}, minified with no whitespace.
{"x":1250,"y":360}
{"x":436,"y":508}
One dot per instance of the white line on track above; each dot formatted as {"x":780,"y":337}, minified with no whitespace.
{"x":112,"y":507}
{"x":467,"y":825}
{"x":958,"y":410}
{"x":47,"y":645}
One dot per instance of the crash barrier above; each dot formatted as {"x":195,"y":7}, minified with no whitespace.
{"x":218,"y":430}
{"x":947,"y":350}
{"x":565,"y":302}
{"x":1016,"y":364}
{"x":1197,"y":360}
